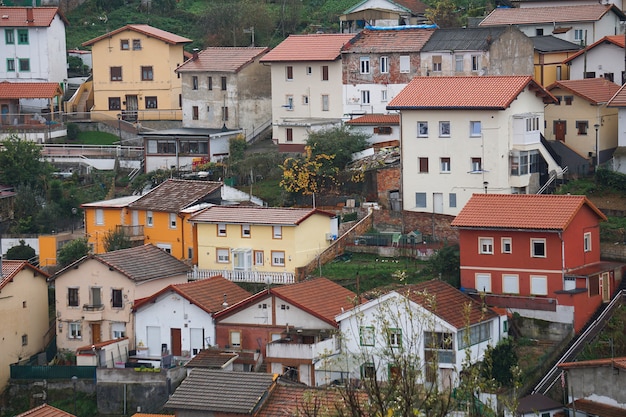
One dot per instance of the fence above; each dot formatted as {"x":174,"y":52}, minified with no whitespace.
{"x":53,"y":372}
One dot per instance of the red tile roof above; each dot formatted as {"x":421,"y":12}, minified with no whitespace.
{"x":388,"y":41}
{"x":617,"y":40}
{"x":293,"y":400}
{"x":594,"y":90}
{"x":208,"y":294}
{"x":619,"y":362}
{"x":414,"y":5}
{"x":89,"y":349}
{"x":376,"y":119}
{"x":448,"y":303}
{"x":222,"y":59}
{"x":554,"y":15}
{"x":9,"y":90}
{"x":211,"y":359}
{"x":45,"y":410}
{"x":147,"y":30}
{"x":17,"y":16}
{"x":593,"y":408}
{"x":11,"y":268}
{"x":457,"y":93}
{"x":317,"y":47}
{"x":256,"y":215}
{"x":522,"y":211}
{"x":619,"y":99}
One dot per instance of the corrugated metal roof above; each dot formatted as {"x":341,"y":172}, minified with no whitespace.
{"x":315,"y":47}
{"x":147,"y":30}
{"x":285,"y":216}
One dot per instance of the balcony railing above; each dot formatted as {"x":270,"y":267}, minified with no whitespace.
{"x":93,"y":312}
{"x":302,"y":351}
{"x":244,"y":276}
{"x":133,"y":232}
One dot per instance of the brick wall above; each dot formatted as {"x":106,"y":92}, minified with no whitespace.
{"x":387,"y":179}
{"x":435,"y":225}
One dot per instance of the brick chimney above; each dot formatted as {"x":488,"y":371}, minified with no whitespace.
{"x":195,"y":53}
{"x":29,"y":15}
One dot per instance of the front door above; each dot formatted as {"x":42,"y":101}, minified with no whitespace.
{"x":130,"y":115}
{"x":95,"y":333}
{"x":559,"y":130}
{"x":606,"y":290}
{"x":176,"y":342}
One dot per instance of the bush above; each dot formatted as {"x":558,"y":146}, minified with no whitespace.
{"x":72,"y":131}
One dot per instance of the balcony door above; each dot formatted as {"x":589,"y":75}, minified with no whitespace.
{"x":96,"y":337}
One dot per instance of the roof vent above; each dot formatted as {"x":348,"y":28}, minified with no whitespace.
{"x":5,"y":16}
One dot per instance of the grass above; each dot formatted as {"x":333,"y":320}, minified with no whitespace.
{"x":96,"y":138}
{"x":267,"y":190}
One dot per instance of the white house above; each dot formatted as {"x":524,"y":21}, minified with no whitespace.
{"x":462,"y":135}
{"x":619,"y":155}
{"x":430,"y":325}
{"x":602,"y":59}
{"x":179,"y":318}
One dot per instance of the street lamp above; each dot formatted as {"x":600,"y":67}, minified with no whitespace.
{"x":119,"y":127}
{"x":597,"y":126}
{"x":74,"y":379}
{"x":485,"y":184}
{"x":74,"y":211}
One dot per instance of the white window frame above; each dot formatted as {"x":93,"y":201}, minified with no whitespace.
{"x":510,"y":283}
{"x":504,"y":242}
{"x":483,"y":282}
{"x":444,"y":164}
{"x":277,"y":232}
{"x":458,"y":61}
{"x":149,"y":218}
{"x":246,"y":231}
{"x":476,"y":129}
{"x":364,"y":64}
{"x":325,"y":102}
{"x":383,"y":95}
{"x":587,"y":242}
{"x":118,"y":330}
{"x":444,"y":129}
{"x":221,"y":229}
{"x":75,"y":330}
{"x":365,"y":96}
{"x":538,"y":285}
{"x":476,"y":164}
{"x":475,"y":63}
{"x":579,"y":35}
{"x":173,"y":220}
{"x":533,"y":241}
{"x":278,"y":258}
{"x":395,"y":337}
{"x":259,"y":257}
{"x":99,"y":217}
{"x":405,"y":64}
{"x":222,"y":255}
{"x":234,"y":338}
{"x":422,"y":129}
{"x":384,"y":64}
{"x":485,"y":245}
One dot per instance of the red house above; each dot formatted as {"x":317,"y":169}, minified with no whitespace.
{"x":538,"y":255}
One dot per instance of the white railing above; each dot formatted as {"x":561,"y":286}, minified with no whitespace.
{"x":552,"y":178}
{"x":302,"y":351}
{"x":244,"y":276}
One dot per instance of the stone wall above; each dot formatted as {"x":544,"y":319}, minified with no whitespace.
{"x":613,"y":252}
{"x":436,"y":226}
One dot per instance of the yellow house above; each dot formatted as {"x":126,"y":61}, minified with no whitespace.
{"x":241,"y":242}
{"x":94,"y":295}
{"x":24,"y":328}
{"x":159,"y":217}
{"x":550,"y":52}
{"x":133,"y":74}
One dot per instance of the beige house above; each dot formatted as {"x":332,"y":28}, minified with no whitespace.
{"x":25,"y":326}
{"x":94,"y":295}
{"x":134,"y":74}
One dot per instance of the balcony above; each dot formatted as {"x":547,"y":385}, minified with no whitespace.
{"x":134,"y":233}
{"x":93,"y":312}
{"x":244,"y":276}
{"x":284,"y":349}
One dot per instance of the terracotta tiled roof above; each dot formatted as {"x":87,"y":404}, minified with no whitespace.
{"x":142,"y":263}
{"x":388,"y":41}
{"x":255,"y":215}
{"x":617,"y":40}
{"x":458,"y":93}
{"x":619,"y":99}
{"x":593,"y":408}
{"x":376,"y":119}
{"x":619,"y":362}
{"x":222,"y":59}
{"x":291,"y":400}
{"x":317,"y":47}
{"x":9,"y":90}
{"x":595,"y":268}
{"x":448,"y":303}
{"x":17,"y":16}
{"x":174,"y":195}
{"x":523,"y":211}
{"x":98,"y":346}
{"x":11,"y":268}
{"x":45,"y":410}
{"x":594,"y":90}
{"x":144,"y":30}
{"x":553,"y":15}
{"x":212,"y":391}
{"x":208,"y":294}
{"x":211,"y":359}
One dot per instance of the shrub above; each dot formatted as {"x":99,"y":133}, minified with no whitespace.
{"x":72,"y":131}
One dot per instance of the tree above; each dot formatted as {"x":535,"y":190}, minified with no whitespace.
{"x":22,"y":252}
{"x":444,"y":14}
{"x":445,"y":264}
{"x":20,"y":163}
{"x":339,"y":142}
{"x":116,"y":239}
{"x":72,"y":251}
{"x":309,"y":174}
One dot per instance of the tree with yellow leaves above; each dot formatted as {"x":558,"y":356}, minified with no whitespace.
{"x":309,"y":174}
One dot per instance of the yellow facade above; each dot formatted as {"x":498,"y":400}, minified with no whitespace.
{"x":549,"y":66}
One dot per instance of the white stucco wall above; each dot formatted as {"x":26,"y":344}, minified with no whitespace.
{"x":605,"y":58}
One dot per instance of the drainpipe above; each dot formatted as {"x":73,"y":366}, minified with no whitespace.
{"x":562,"y":260}
{"x":182,"y":234}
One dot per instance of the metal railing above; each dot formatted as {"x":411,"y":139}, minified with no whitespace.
{"x":53,"y":372}
{"x":552,"y":178}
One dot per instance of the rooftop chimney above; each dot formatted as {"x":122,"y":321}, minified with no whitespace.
{"x":195,"y":53}
{"x":29,"y":15}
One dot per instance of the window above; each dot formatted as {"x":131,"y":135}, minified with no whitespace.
{"x":325,"y":103}
{"x":394,"y":337}
{"x":10,"y":65}
{"x":222,"y":256}
{"x":116,"y":298}
{"x":383,"y":130}
{"x":538,"y":248}
{"x":437,"y":63}
{"x":405,"y":64}
{"x":538,"y":285}
{"x":235,"y":339}
{"x":587,"y":242}
{"x":439,"y":346}
{"x":444,"y":129}
{"x":173,"y":220}
{"x":136,"y":44}
{"x":22,"y":36}
{"x":223,"y":83}
{"x":23,"y":304}
{"x":582,"y":126}
{"x":289,"y":71}
{"x":475,"y":63}
{"x":475,"y":129}
{"x":507,"y":245}
{"x":609,"y":76}
{"x":365,"y":97}
{"x":147,"y":74}
{"x":245,"y":230}
{"x":305,"y":100}
{"x":195,"y":113}
{"x":99,"y":217}
{"x":365,"y":65}
{"x":258,"y":257}
{"x":483,"y":282}
{"x":423,"y":165}
{"x":384,"y":64}
{"x":210,"y":83}
{"x":115,"y":103}
{"x":24,"y":64}
{"x":422,"y":129}
{"x":579,"y":35}
{"x":95,"y":297}
{"x":151,"y":102}
{"x":445,"y":164}
{"x":367,"y":336}
{"x":124,"y":44}
{"x":532,"y":124}
{"x":368,"y":371}
{"x":224,"y":114}
{"x":420,"y":200}
{"x":510,"y":284}
{"x":24,"y":339}
{"x":118,"y":330}
{"x":568,"y":100}
{"x":72,"y":297}
{"x":458,"y":63}
{"x":475,"y":334}
{"x":383,"y":95}
{"x":116,"y":73}
{"x":559,"y":73}
{"x":278,"y":258}
{"x":589,"y":74}
{"x":538,"y":32}
{"x":289,"y":134}
{"x":485,"y":245}
{"x":149,"y":219}
{"x":221,"y":229}
{"x":452,"y":200}
{"x":476,"y":165}
{"x":194,"y":82}
{"x":75,"y":331}
{"x":324,"y":72}
{"x":278,"y":232}
{"x":9,"y":36}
